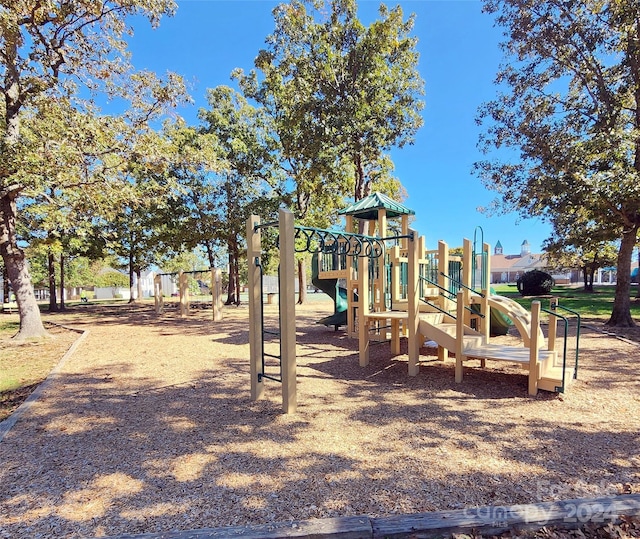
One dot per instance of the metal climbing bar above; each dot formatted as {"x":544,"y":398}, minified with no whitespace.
{"x":317,"y":240}
{"x":262,"y":374}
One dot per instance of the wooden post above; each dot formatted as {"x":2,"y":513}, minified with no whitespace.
{"x":351,"y":282}
{"x":533,"y":347}
{"x":404,"y":223}
{"x":422,"y":249}
{"x":363,"y":309}
{"x":413,"y":290}
{"x":395,"y":336}
{"x":287,"y":311}
{"x":443,"y":267}
{"x":157,"y":294}
{"x":395,"y":274}
{"x":382,"y":273}
{"x":467,"y":267}
{"x":460,"y":337}
{"x":487,"y":270}
{"x":553,"y":326}
{"x":183,"y":286}
{"x":216,"y":293}
{"x":255,"y":308}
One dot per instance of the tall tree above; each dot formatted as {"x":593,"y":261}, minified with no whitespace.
{"x":195,"y":205}
{"x":568,"y":116}
{"x":341,"y":96}
{"x":337,"y":89}
{"x":248,"y":179}
{"x":49,"y":51}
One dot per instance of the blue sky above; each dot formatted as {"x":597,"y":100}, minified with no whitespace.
{"x":459,"y":56}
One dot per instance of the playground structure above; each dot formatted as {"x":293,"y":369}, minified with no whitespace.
{"x":186,"y":281}
{"x":394,"y":287}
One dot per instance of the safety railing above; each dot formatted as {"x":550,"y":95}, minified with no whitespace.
{"x":553,"y":312}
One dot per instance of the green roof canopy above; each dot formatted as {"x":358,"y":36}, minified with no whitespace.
{"x":368,"y":207}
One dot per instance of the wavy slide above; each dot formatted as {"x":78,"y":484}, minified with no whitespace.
{"x":520,"y":317}
{"x":499,"y":321}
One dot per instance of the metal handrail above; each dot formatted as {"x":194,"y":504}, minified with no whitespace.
{"x":438,"y":308}
{"x":450,"y":297}
{"x":560,"y":389}
{"x":552,"y":312}
{"x":426,"y":279}
{"x":579,"y":323}
{"x":462,"y":285}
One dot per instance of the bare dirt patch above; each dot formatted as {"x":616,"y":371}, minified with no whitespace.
{"x":149,"y":427}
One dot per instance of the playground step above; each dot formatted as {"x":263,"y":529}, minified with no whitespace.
{"x":512,"y":354}
{"x":551,"y":377}
{"x":445,"y":334}
{"x":402,"y":305}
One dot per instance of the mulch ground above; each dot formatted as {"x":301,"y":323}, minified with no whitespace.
{"x":149,"y":427}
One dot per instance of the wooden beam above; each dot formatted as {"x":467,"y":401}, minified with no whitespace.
{"x":533,"y":347}
{"x":459,"y":370}
{"x":183,"y":286}
{"x":216,"y":293}
{"x":157,"y":294}
{"x":413,"y":291}
{"x":492,"y":521}
{"x":363,"y":310}
{"x":287,"y":311}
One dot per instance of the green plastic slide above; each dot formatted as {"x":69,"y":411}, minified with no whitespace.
{"x":337,"y":293}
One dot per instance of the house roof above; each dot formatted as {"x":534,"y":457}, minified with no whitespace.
{"x":368,"y":207}
{"x":527,"y":262}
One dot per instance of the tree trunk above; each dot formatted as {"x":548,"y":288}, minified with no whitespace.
{"x":51,"y":273}
{"x":5,"y":283}
{"x":362,"y":187}
{"x":210,"y":254}
{"x":638,"y":276}
{"x":592,"y":272}
{"x":139,"y":283}
{"x":585,"y":277}
{"x":232,"y":288}
{"x":63,"y":307}
{"x":302,"y":281}
{"x":236,"y":269}
{"x":18,"y":273}
{"x":621,"y":313}
{"x":132,"y":289}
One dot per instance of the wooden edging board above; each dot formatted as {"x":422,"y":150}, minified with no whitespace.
{"x":481,"y":520}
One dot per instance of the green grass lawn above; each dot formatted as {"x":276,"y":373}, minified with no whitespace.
{"x":596,"y":304}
